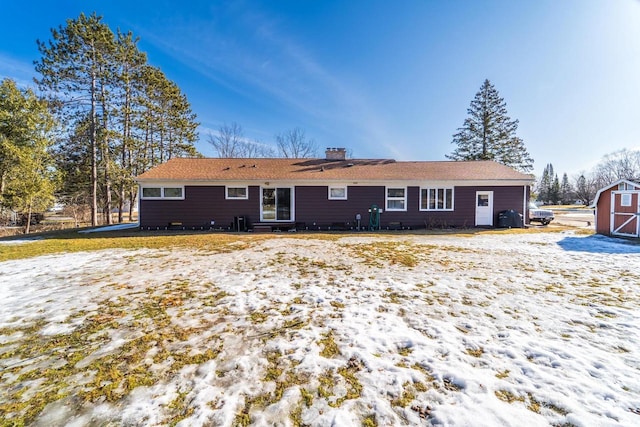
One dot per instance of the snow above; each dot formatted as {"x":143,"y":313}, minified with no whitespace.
{"x":114,"y":227}
{"x":531,"y":329}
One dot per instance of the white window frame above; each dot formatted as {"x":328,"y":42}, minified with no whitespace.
{"x":388,"y":199}
{"x":246,"y":192}
{"x":625,"y":200}
{"x":180,"y":197}
{"x":162,"y":195}
{"x":428,"y":200}
{"x":142,"y":196}
{"x":339,"y":187}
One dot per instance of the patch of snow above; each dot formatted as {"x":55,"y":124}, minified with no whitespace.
{"x":531,"y":329}
{"x":115,"y":227}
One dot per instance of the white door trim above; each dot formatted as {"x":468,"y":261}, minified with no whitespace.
{"x":484,"y":211}
{"x":628,"y":217}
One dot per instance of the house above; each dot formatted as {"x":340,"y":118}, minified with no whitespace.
{"x":328,"y":193}
{"x":618,"y":209}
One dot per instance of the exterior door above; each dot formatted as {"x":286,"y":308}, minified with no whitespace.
{"x":277,"y":204}
{"x":625,"y":213}
{"x":484,"y":208}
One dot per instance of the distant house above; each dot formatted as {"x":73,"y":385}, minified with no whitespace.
{"x":618,"y":209}
{"x":328,"y":193}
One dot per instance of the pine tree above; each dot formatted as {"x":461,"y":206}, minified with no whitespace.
{"x":489,"y":134}
{"x":566,"y":191}
{"x":554,"y":193}
{"x":129,"y":114}
{"x":75,"y":67}
{"x":545,"y":184}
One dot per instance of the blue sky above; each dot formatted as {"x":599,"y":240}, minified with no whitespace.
{"x":383,"y":79}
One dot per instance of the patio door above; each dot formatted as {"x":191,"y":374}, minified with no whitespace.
{"x":277,"y":204}
{"x":484,"y":208}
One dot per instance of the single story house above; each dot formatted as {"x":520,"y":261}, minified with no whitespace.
{"x":618,"y":209}
{"x":328,"y":193}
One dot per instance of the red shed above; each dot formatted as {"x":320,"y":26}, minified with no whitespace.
{"x":618,"y":209}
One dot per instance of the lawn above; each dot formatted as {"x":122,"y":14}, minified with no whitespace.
{"x":502,"y":328}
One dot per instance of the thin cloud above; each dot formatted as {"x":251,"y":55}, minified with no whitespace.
{"x":20,"y":71}
{"x":269,"y":64}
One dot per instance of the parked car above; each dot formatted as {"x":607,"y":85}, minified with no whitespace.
{"x":536,"y":214}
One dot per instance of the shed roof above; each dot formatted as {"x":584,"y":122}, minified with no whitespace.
{"x":634,"y":184}
{"x":234,"y":169}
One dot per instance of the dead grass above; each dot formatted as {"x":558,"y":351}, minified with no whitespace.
{"x":43,"y":369}
{"x":74,"y":242}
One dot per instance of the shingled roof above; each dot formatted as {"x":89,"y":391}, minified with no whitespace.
{"x":260,"y":169}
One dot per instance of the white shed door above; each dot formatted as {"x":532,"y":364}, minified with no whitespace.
{"x":484,"y":208}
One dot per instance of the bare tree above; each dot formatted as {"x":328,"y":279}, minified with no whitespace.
{"x":228,"y":140}
{"x":622,"y":164}
{"x":231,"y":143}
{"x":585,"y":186}
{"x":295,"y":145}
{"x":256,"y":148}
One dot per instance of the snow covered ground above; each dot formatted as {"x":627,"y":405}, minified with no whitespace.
{"x":532,"y":329}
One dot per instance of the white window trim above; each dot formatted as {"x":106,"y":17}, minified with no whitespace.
{"x":162,"y":196}
{"x":436,"y":209}
{"x":387,"y":199}
{"x":226,"y":192}
{"x":625,"y":200}
{"x":344,"y":187}
{"x":173,"y":198}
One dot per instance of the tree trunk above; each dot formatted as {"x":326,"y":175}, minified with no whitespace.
{"x":28,"y":225}
{"x":125,"y":165}
{"x":132,"y":199}
{"x":94,"y":150}
{"x":106,"y":157}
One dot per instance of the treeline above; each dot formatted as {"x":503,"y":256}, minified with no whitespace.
{"x":115,"y":117}
{"x":622,"y":164}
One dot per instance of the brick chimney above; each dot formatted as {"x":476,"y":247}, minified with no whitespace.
{"x":336,"y":154}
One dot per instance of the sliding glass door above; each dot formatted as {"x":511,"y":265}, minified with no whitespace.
{"x":277,"y":204}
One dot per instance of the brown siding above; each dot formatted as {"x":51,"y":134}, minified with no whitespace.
{"x":314,"y":207}
{"x":603,"y":212}
{"x":202,"y":204}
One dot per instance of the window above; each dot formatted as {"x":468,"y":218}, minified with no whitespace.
{"x":173,"y":192}
{"x":436,"y":199}
{"x":396,"y":199}
{"x":337,"y":193}
{"x":151,"y":192}
{"x":237,"y":193}
{"x":625,"y":199}
{"x":163,"y":193}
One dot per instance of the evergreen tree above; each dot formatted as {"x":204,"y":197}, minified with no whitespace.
{"x":489,"y":134}
{"x":546,"y":183}
{"x":27,"y":181}
{"x":554,"y":193}
{"x":129,"y":115}
{"x":566,"y":191}
{"x":75,"y":68}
